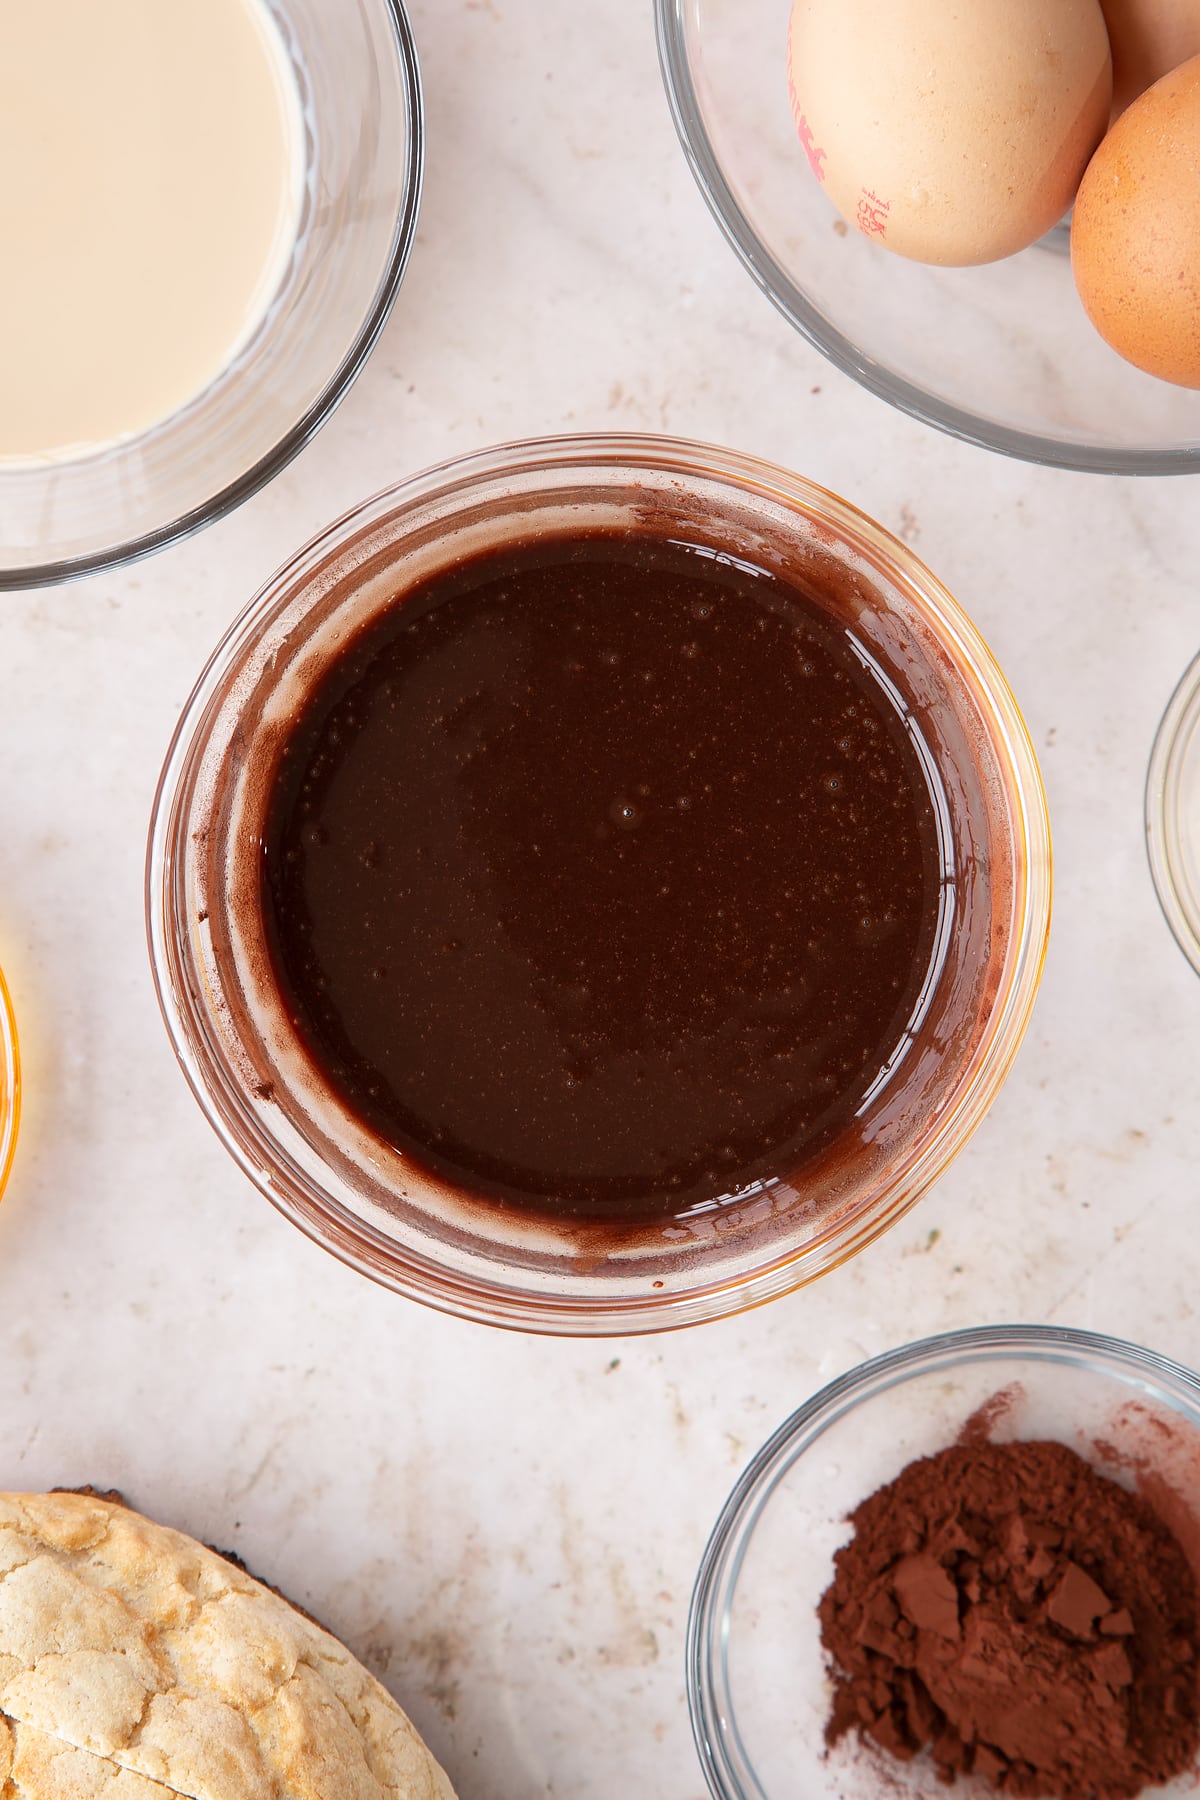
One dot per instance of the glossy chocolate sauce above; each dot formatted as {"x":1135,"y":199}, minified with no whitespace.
{"x":601,"y":877}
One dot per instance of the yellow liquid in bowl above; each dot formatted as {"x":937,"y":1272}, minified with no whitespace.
{"x":10,"y":1083}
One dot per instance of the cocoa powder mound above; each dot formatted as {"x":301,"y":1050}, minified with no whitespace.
{"x":1023,"y":1619}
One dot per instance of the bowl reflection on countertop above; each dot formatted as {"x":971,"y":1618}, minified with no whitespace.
{"x":1002,"y":355}
{"x":239,"y":1048}
{"x":758,"y":1688}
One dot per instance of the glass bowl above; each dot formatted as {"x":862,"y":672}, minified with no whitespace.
{"x":1002,"y":355}
{"x":10,"y":1084}
{"x":240,"y":1051}
{"x":757,"y":1684}
{"x":1173,"y":814}
{"x":356,"y":69}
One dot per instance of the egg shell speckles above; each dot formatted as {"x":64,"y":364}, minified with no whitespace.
{"x":1135,"y":239}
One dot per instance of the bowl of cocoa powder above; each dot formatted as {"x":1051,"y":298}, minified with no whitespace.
{"x":973,"y":1562}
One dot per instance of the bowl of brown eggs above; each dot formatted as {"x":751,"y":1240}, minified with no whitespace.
{"x":986,"y":216}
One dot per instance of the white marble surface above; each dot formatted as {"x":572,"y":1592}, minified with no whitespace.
{"x":507,"y":1528}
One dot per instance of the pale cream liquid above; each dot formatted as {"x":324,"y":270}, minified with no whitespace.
{"x":151,"y":169}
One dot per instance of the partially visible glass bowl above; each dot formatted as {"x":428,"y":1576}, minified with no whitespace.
{"x":1173,"y":814}
{"x":1002,"y":355}
{"x":758,"y":1688}
{"x":10,"y":1084}
{"x":356,"y":69}
{"x":238,"y":1045}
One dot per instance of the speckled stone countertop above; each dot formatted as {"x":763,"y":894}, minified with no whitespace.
{"x":505,"y":1528}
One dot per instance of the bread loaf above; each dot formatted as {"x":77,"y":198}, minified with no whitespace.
{"x":135,"y":1663}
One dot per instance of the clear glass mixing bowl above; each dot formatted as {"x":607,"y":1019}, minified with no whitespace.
{"x":1173,"y":814}
{"x":1001,"y":355}
{"x":10,"y":1084}
{"x":298,"y":1142}
{"x":356,"y":69}
{"x":757,"y":1683}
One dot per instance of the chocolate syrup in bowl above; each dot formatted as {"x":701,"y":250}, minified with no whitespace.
{"x":601,"y":877}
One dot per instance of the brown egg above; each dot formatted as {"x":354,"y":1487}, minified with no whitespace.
{"x":1135,"y":237}
{"x":949,"y":133}
{"x":1149,"y":38}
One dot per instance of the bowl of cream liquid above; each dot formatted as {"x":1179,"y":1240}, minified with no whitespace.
{"x":206,"y":210}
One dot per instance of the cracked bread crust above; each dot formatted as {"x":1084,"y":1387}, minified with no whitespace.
{"x":128,"y":1645}
{"x":36,"y":1767}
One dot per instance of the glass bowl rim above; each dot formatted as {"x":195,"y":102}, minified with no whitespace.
{"x":360,"y":1245}
{"x":906,"y":396}
{"x":10,"y":1083}
{"x":1164,"y":797}
{"x":335,"y":389}
{"x":710,"y":1707}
